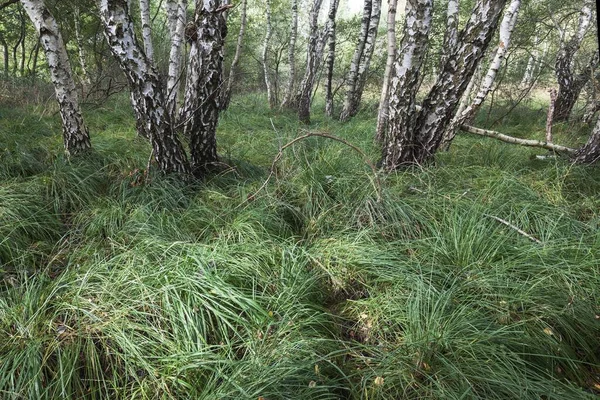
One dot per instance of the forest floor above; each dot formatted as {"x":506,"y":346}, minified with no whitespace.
{"x":327,"y":283}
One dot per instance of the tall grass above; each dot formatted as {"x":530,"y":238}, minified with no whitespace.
{"x":321,"y":285}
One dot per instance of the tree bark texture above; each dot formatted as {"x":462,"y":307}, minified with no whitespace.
{"x":265,"y":52}
{"x":226,"y":95}
{"x":569,"y":83}
{"x":331,"y":43}
{"x":147,"y":29}
{"x":451,"y":34}
{"x":75,"y":133}
{"x":289,"y":91}
{"x":314,"y":55}
{"x":466,"y":116}
{"x":359,"y":66}
{"x":382,"y":114}
{"x":176,"y":14}
{"x":147,"y":93}
{"x":590,"y":152}
{"x":80,"y":48}
{"x":404,"y":83}
{"x":203,"y":84}
{"x":419,"y":144}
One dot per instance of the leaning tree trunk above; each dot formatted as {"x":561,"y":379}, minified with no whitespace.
{"x":75,"y":134}
{"x":147,"y":93}
{"x":226,"y":94}
{"x":314,"y":54}
{"x":418,"y":145}
{"x":590,"y":152}
{"x":331,"y":42}
{"x":176,"y":14}
{"x":203,"y":84}
{"x":570,"y":85}
{"x":466,"y":116}
{"x":382,"y":114}
{"x":451,"y":34}
{"x":404,"y":83}
{"x":361,"y":59}
{"x":266,"y":42}
{"x":292,"y":56}
{"x":147,"y":29}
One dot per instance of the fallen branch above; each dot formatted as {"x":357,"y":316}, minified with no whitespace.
{"x":522,"y":232}
{"x":327,"y":136}
{"x":523,"y":142}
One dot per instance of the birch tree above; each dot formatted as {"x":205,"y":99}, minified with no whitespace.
{"x":569,"y":83}
{"x":147,"y":93}
{"x":382,"y":114}
{"x":203,"y":83}
{"x":330,"y":62}
{"x":418,"y":143}
{"x":176,"y":15}
{"x":590,"y":152}
{"x":147,"y":29}
{"x":362,"y":58}
{"x":80,"y":48}
{"x":265,"y":52}
{"x":226,"y":95}
{"x":289,"y":91}
{"x":75,"y":133}
{"x":314,"y":54}
{"x":506,"y":28}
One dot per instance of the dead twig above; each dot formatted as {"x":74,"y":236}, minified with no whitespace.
{"x":522,"y":232}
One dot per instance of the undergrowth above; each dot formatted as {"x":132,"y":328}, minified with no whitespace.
{"x":116,"y":282}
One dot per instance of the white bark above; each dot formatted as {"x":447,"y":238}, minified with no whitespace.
{"x":75,"y":133}
{"x":292,"y":56}
{"x":331,"y":34}
{"x":382,"y":115}
{"x":451,"y":34}
{"x":226,"y":98}
{"x":590,"y":152}
{"x":265,"y":52}
{"x":531,"y":63}
{"x":176,"y":14}
{"x":80,"y":50}
{"x":147,"y":93}
{"x":147,"y":29}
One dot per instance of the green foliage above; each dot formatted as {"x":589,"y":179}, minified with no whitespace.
{"x":118,"y":283}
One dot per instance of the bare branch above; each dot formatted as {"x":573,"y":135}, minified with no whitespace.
{"x":522,"y":232}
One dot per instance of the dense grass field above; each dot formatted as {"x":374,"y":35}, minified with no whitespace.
{"x":328,"y":283}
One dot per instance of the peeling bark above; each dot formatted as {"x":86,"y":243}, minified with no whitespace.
{"x":382,"y":114}
{"x":75,"y":134}
{"x":147,"y":29}
{"x":176,"y":14}
{"x":148,"y":97}
{"x":451,"y":33}
{"x":331,"y":42}
{"x":203,"y":84}
{"x":359,"y":67}
{"x":570,"y":84}
{"x":419,"y":144}
{"x":590,"y":152}
{"x":226,"y":95}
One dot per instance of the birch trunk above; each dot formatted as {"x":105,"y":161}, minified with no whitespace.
{"x":203,"y":85}
{"x":314,"y":54}
{"x":147,"y":29}
{"x":176,"y":14}
{"x":451,"y":34}
{"x":331,"y":25}
{"x":418,"y":145}
{"x":568,"y":95}
{"x":590,"y":152}
{"x":226,"y":95}
{"x":404,"y":83}
{"x":80,"y":52}
{"x":466,"y":116}
{"x":147,"y":93}
{"x":382,"y":115}
{"x":264,"y":59}
{"x":569,"y":85}
{"x":361,"y":58}
{"x":5,"y":55}
{"x":75,"y":134}
{"x":292,"y":56}
{"x":531,"y":64}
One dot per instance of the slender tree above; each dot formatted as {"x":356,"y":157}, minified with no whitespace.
{"x":330,"y":62}
{"x":382,"y":114}
{"x":176,"y":14}
{"x":362,"y":58}
{"x":451,"y":33}
{"x":226,"y":95}
{"x":147,"y":29}
{"x":75,"y":134}
{"x":265,"y":52}
{"x":289,"y":91}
